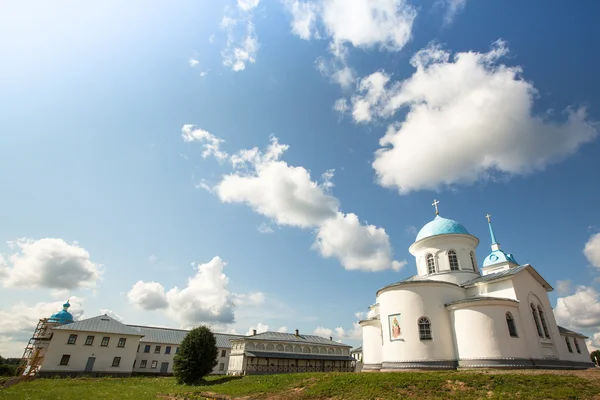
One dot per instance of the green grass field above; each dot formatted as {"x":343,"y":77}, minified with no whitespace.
{"x":412,"y":385}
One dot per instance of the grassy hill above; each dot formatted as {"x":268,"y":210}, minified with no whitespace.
{"x":412,"y":385}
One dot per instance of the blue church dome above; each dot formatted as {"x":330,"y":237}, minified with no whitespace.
{"x":497,"y":257}
{"x":63,"y":316}
{"x":441,"y":226}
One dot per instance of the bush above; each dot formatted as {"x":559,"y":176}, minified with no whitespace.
{"x":197,"y":356}
{"x":7,"y":370}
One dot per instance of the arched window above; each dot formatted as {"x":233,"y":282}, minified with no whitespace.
{"x":473,"y":262}
{"x":537,"y":320}
{"x":425,"y":329}
{"x":577,"y":345}
{"x":430,"y":264}
{"x":568,"y":344}
{"x":512,"y":328}
{"x":543,"y":319}
{"x":453,"y":260}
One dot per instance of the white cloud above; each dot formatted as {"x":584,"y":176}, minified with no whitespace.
{"x":453,"y":8}
{"x":265,"y":228}
{"x":260,"y":328}
{"x":592,"y":250}
{"x":579,"y":310}
{"x":148,"y":295}
{"x":193,"y":62}
{"x":471,"y":100}
{"x":204,"y":73}
{"x":49,"y":263}
{"x":337,"y":70}
{"x":111,"y":314}
{"x":357,"y":246}
{"x":253,"y":299}
{"x":594,"y":343}
{"x":282,"y":329}
{"x":211,"y":39}
{"x":242,"y":42}
{"x":19,"y":321}
{"x":361,"y":23}
{"x":341,"y":105}
{"x":288,"y":196}
{"x":205,"y":298}
{"x":304,"y":16}
{"x":321,"y":331}
{"x":563,"y":287}
{"x":191,"y":133}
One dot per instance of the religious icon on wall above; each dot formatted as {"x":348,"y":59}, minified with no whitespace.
{"x":394,"y":326}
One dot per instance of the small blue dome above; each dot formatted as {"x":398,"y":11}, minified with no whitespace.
{"x":63,"y":316}
{"x":441,"y":226}
{"x":497,"y":257}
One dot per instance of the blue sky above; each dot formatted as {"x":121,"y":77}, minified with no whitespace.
{"x":120,"y":127}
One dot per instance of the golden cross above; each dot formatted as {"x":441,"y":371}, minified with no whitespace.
{"x":435,"y":204}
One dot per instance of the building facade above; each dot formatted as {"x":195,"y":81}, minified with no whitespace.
{"x":453,"y":314}
{"x":275,"y":352}
{"x":102,"y":346}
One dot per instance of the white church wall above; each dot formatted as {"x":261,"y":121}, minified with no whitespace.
{"x":79,"y":353}
{"x":413,"y":301}
{"x":528,"y":290}
{"x":504,"y":289}
{"x":439,"y":246}
{"x":582,"y":356}
{"x":371,"y":331}
{"x":482,"y":331}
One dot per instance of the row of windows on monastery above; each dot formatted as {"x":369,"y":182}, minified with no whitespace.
{"x":452,"y":261}
{"x":291,"y":349}
{"x":89,"y":341}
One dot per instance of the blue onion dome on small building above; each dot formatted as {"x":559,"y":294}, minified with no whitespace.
{"x":63,"y":316}
{"x":441,"y":226}
{"x":497,"y":256}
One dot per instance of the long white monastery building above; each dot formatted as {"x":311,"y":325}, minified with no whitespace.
{"x":104,"y":346}
{"x":452,"y":314}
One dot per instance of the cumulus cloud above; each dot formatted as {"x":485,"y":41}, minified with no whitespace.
{"x":260,"y":328}
{"x":470,"y":99}
{"x":357,"y":246}
{"x":148,"y":295}
{"x":211,"y":143}
{"x":49,"y":263}
{"x":253,"y":299}
{"x":339,"y":333}
{"x":563,"y":287}
{"x":205,"y":298}
{"x":287,"y":195}
{"x":19,"y":321}
{"x":594,"y":342}
{"x":382,"y":24}
{"x":265,"y":228}
{"x":386,"y":24}
{"x":452,"y":9}
{"x":193,"y":62}
{"x":242,"y":42}
{"x":592,"y":250}
{"x":579,"y":310}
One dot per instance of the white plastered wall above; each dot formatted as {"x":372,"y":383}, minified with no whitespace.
{"x":371,"y":331}
{"x":482,"y":331}
{"x":413,"y":301}
{"x":80,"y":353}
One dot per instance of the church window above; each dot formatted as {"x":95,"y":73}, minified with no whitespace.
{"x":544,"y":324}
{"x":430,"y":264}
{"x":425,"y":329}
{"x":89,"y":340}
{"x":568,"y":344}
{"x":512,"y":328}
{"x":116,"y":361}
{"x":105,"y":341}
{"x":65,"y":359}
{"x":473,"y":262}
{"x":72,"y":339}
{"x":143,"y":363}
{"x":122,"y":342}
{"x":577,"y":345}
{"x":453,"y":260}
{"x":536,"y":320}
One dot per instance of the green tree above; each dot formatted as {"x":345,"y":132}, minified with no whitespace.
{"x":595,"y":356}
{"x":197,"y":356}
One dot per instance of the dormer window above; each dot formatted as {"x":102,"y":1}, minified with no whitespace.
{"x":430,"y":264}
{"x":453,"y":260}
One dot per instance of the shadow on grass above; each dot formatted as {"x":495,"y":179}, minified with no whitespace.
{"x":218,"y":381}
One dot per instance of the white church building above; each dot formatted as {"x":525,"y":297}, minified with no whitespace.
{"x":452,"y":314}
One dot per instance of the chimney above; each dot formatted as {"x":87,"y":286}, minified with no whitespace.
{"x":297,"y":332}
{"x":330,"y":338}
{"x":253,"y":332}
